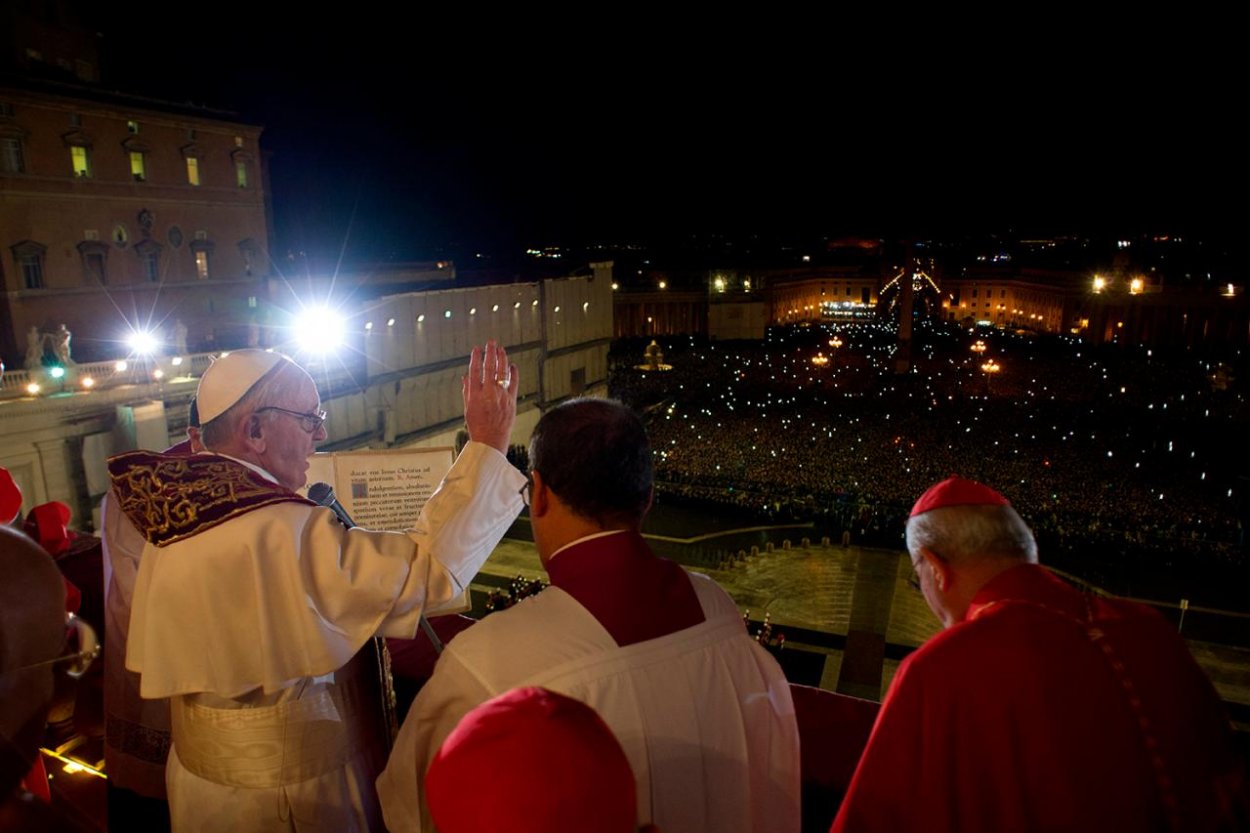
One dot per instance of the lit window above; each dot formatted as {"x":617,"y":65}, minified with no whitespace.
{"x":193,"y":170}
{"x":12,"y":160}
{"x":202,"y":250}
{"x":138,"y":165}
{"x":132,"y":126}
{"x":80,"y":158}
{"x":240,"y":172}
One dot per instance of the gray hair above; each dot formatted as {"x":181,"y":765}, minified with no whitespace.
{"x":275,"y":386}
{"x":972,"y":533}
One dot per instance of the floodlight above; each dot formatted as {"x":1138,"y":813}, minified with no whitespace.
{"x":319,"y":330}
{"x":142,"y":342}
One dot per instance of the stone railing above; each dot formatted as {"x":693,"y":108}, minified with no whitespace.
{"x":91,"y":376}
{"x":100,"y":375}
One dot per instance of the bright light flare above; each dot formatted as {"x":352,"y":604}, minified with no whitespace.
{"x":142,"y":342}
{"x":319,"y":330}
{"x":88,"y":382}
{"x":56,"y":372}
{"x":33,"y":388}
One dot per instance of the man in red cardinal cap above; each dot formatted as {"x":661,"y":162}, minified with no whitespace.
{"x":1038,"y":707}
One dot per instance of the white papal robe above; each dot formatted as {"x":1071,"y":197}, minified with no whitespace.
{"x":251,"y":627}
{"x":704,"y":714}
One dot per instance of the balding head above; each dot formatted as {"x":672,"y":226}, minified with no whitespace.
{"x":960,"y":536}
{"x":968,"y":534}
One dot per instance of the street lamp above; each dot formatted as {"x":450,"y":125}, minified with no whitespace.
{"x":990,"y":368}
{"x":835,"y":343}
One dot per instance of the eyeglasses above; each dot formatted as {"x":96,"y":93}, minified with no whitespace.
{"x":80,"y":660}
{"x":525,"y":490}
{"x":309,"y":422}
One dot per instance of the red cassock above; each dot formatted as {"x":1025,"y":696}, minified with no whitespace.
{"x":1048,"y":709}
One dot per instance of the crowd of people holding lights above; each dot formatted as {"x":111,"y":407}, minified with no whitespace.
{"x":1117,"y":457}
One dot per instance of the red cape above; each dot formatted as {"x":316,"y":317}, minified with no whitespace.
{"x":1049,"y":710}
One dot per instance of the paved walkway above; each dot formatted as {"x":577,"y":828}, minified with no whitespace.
{"x":822,"y":589}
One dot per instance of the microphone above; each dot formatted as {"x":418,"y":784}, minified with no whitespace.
{"x":323,"y":495}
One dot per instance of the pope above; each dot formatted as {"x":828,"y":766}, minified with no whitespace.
{"x":252,"y":604}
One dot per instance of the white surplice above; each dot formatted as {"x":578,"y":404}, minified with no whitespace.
{"x":704,"y":714}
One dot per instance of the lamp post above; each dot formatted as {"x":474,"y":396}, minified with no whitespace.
{"x":835,"y":343}
{"x":990,"y":368}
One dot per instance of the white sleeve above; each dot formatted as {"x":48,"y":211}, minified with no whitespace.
{"x":304,"y":593}
{"x":457,"y":530}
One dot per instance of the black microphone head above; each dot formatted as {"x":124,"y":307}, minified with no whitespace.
{"x":321,"y":493}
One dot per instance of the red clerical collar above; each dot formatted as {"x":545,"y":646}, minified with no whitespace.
{"x":633,"y":594}
{"x":1031,"y":583}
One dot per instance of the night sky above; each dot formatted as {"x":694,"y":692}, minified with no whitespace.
{"x":415,"y":137}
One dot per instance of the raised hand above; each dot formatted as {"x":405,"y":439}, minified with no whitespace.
{"x":490,"y":390}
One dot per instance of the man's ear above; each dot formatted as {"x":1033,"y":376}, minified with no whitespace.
{"x":540,"y":496}
{"x":943,"y":576}
{"x":252,"y":433}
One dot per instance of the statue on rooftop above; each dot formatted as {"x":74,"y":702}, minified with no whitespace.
{"x":34,"y":348}
{"x":60,"y":346}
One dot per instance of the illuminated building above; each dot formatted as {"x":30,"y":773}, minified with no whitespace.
{"x":828,"y":294}
{"x":1008,"y":299}
{"x":117,"y":211}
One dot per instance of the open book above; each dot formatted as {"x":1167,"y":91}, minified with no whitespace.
{"x":386,"y":488}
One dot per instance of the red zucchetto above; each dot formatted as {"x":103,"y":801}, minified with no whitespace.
{"x":956,"y":491}
{"x":531,"y":760}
